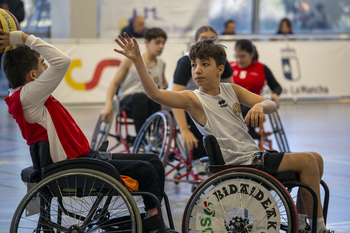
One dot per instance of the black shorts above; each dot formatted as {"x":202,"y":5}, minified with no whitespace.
{"x":272,"y":161}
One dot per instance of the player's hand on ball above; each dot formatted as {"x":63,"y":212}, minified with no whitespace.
{"x":4,"y":39}
{"x":129,"y":47}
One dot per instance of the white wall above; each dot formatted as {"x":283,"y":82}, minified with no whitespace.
{"x":74,"y":19}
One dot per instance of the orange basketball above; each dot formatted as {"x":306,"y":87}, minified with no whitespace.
{"x":8,"y":22}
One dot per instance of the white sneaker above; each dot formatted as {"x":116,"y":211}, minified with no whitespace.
{"x":325,"y":231}
{"x":198,"y":167}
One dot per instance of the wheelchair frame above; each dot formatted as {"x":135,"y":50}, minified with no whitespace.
{"x":159,"y":135}
{"x":102,"y":130}
{"x":67,"y":188}
{"x":277,"y":130}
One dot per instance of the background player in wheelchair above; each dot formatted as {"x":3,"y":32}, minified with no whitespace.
{"x":215,"y":108}
{"x":41,"y":117}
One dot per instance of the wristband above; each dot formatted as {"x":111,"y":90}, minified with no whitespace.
{"x":15,"y":38}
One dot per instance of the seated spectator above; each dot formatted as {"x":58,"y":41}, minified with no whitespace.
{"x":230,"y":28}
{"x":285,"y":27}
{"x":136,"y":27}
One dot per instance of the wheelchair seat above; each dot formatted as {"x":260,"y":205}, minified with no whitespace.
{"x":43,"y":166}
{"x":217,"y":163}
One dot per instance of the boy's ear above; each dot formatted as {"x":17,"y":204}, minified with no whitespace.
{"x":221,"y":69}
{"x":31,"y":76}
{"x":146,"y":42}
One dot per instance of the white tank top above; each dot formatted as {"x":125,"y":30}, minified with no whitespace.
{"x":225,"y":122}
{"x":132,"y":83}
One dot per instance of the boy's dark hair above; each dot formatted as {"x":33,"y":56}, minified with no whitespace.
{"x":204,"y":29}
{"x":206,"y":49}
{"x":245,"y":45}
{"x":17,"y":63}
{"x":153,"y":33}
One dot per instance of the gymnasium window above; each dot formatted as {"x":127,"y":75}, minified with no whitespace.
{"x":307,"y":16}
{"x":37,"y":18}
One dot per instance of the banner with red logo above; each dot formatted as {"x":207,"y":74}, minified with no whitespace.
{"x":304,"y":69}
{"x":94,"y":65}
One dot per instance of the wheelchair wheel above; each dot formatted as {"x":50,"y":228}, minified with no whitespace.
{"x":278,"y":130}
{"x":155,"y":136}
{"x":240,"y":200}
{"x":102,"y":128}
{"x":77,"y":200}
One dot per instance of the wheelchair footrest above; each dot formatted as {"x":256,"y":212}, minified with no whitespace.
{"x":150,"y":224}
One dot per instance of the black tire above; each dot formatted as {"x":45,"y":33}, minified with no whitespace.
{"x":155,"y":136}
{"x":240,"y":200}
{"x":81,"y":199}
{"x":102,"y":128}
{"x":279,"y":133}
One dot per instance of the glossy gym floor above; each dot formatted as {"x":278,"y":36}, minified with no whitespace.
{"x":321,"y":126}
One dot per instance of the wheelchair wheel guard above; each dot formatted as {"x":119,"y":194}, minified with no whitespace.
{"x":240,"y":200}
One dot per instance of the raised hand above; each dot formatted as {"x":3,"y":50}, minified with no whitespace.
{"x":130,"y":47}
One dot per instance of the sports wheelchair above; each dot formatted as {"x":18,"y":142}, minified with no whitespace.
{"x":121,"y":136}
{"x":79,"y":195}
{"x":278,"y":130}
{"x":245,"y":199}
{"x":160,"y":135}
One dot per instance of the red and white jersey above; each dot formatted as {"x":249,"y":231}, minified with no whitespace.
{"x":39,"y":115}
{"x":251,"y":78}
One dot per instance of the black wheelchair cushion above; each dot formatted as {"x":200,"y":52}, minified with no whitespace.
{"x":30,"y":175}
{"x":82,"y":162}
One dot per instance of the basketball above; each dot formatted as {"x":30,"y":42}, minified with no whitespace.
{"x":8,"y":22}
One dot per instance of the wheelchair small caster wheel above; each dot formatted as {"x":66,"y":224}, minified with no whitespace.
{"x":176,"y":176}
{"x":194,"y":186}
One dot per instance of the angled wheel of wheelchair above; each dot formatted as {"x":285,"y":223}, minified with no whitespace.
{"x":240,"y":200}
{"x":102,"y":128}
{"x":77,"y":200}
{"x":278,"y":131}
{"x":155,"y":136}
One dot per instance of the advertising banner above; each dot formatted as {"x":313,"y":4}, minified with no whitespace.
{"x":304,"y":69}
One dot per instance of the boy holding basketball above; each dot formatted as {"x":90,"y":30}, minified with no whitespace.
{"x":215,"y":109}
{"x":42,"y":118}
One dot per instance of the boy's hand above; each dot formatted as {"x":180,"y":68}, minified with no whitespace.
{"x":4,"y":39}
{"x":106,"y":113}
{"x":255,"y":116}
{"x":130,"y":47}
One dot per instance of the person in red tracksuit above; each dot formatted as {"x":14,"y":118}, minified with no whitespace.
{"x":252,"y":75}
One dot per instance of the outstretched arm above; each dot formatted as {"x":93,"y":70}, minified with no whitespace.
{"x":130,"y":49}
{"x":113,"y":87}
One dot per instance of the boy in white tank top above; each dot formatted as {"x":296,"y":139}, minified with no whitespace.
{"x":215,"y":109}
